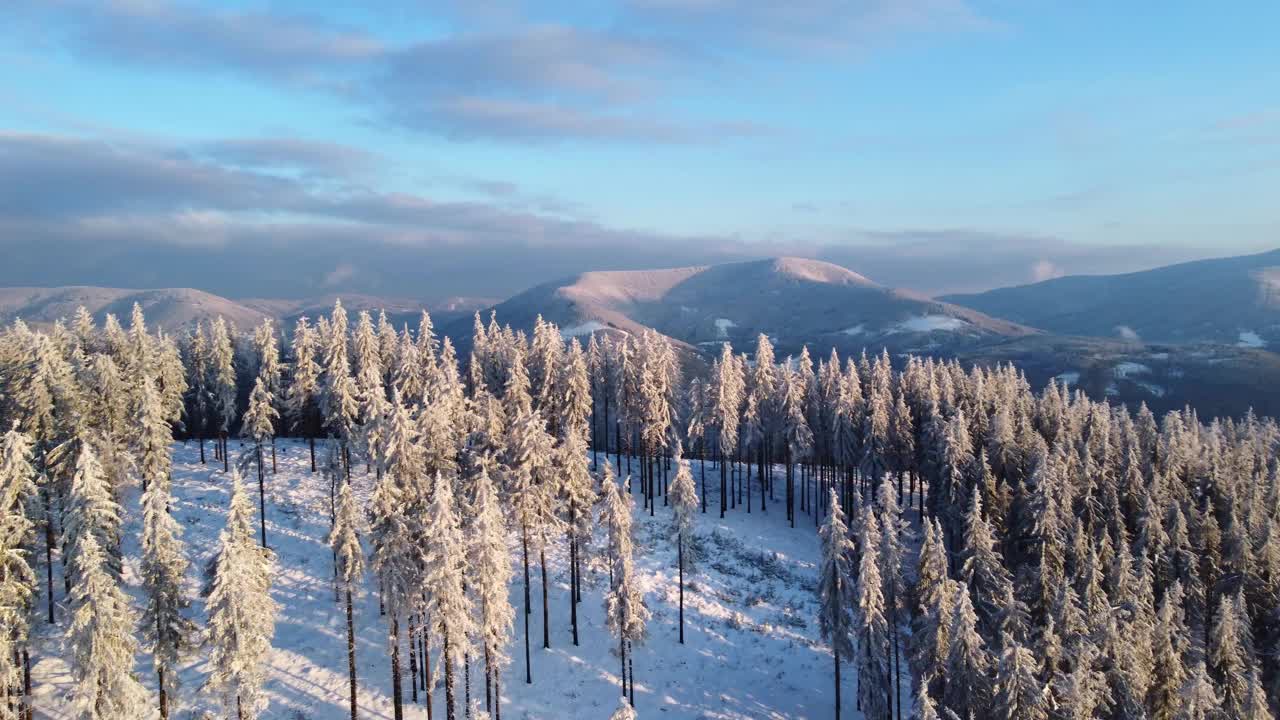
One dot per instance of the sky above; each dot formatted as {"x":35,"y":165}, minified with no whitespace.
{"x":437,"y":148}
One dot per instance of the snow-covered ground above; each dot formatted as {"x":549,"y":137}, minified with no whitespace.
{"x":1251,"y":339}
{"x":928,"y":323}
{"x":751,"y":649}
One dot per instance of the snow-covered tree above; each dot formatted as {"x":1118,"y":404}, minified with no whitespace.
{"x":871,"y":625}
{"x":222,"y":381}
{"x":91,"y":509}
{"x":835,"y":588}
{"x":101,"y":640}
{"x":166,"y":629}
{"x":241,"y":611}
{"x":1019,"y":695}
{"x":344,"y":539}
{"x":684,"y":505}
{"x":447,"y":605}
{"x":302,"y":401}
{"x":17,"y":579}
{"x":490,"y":564}
{"x":624,"y":603}
{"x":259,"y":426}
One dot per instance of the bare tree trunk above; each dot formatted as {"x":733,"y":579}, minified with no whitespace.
{"x":397,"y":702}
{"x":413,"y":659}
{"x":528,"y":668}
{"x":449,"y":711}
{"x":351,"y":652}
{"x":680,"y":564}
{"x":546,"y":613}
{"x":262,"y":496}
{"x":311,"y":442}
{"x":164,"y":698}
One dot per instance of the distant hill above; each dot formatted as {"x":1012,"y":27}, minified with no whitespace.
{"x":1234,"y":301}
{"x":171,"y":309}
{"x":794,"y":301}
{"x":178,"y":309}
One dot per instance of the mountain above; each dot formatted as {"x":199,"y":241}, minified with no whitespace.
{"x":177,"y":309}
{"x":794,"y":301}
{"x":1233,"y":300}
{"x":171,"y":308}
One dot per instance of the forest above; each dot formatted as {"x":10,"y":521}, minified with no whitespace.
{"x":987,"y":549}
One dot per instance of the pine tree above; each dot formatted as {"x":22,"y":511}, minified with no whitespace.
{"x":968,"y":689}
{"x":871,"y":627}
{"x":1019,"y":694}
{"x":199,"y":404}
{"x":222,"y":382}
{"x":101,"y":640}
{"x":624,"y":603}
{"x":90,"y":509}
{"x":259,"y":426}
{"x":17,"y":579}
{"x":344,"y":539}
{"x":835,"y":589}
{"x":570,"y":461}
{"x":447,"y":606}
{"x":303,"y":400}
{"x":684,"y":505}
{"x":395,"y":555}
{"x":241,"y":611}
{"x":490,"y":562}
{"x":166,"y":629}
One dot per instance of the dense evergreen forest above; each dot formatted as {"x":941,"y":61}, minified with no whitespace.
{"x":989,"y":550}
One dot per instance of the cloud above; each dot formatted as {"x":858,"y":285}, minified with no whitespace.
{"x":1045,"y":270}
{"x":308,"y":156}
{"x":499,"y":75}
{"x":340,"y":275}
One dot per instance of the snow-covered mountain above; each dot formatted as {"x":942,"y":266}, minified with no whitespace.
{"x":169,"y":308}
{"x":1233,"y":300}
{"x":794,"y":301}
{"x":178,"y":309}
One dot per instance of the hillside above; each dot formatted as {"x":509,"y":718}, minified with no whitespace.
{"x":1234,"y":300}
{"x":794,"y":301}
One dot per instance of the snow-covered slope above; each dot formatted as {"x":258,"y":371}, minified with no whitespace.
{"x":794,"y":300}
{"x":751,"y":636}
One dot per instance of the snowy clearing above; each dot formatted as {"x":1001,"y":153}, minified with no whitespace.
{"x":745,"y":609}
{"x":1127,"y":370}
{"x":1251,"y":339}
{"x":585,"y":328}
{"x":928,"y":323}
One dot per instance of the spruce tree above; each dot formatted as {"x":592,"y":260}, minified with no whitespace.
{"x":241,"y":611}
{"x":344,"y":539}
{"x":101,"y":640}
{"x":490,"y":563}
{"x":835,"y":589}
{"x":447,"y":606}
{"x":684,"y":505}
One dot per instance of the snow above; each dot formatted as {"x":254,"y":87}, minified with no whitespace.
{"x":1127,"y":370}
{"x":1067,"y":379}
{"x":1250,"y":339}
{"x":1157,"y":390}
{"x":928,"y":323}
{"x":723,"y":325}
{"x":752,"y":649}
{"x":585,"y":328}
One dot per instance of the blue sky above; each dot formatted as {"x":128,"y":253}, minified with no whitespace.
{"x":895,"y":137}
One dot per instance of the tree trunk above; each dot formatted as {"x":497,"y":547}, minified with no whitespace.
{"x":164,"y":698}
{"x":573,"y":578}
{"x":680,"y":564}
{"x":262,"y":496}
{"x":449,"y":712}
{"x":351,"y":652}
{"x":546,"y":613}
{"x":837,"y":657}
{"x":273,"y":455}
{"x":48,"y":547}
{"x":413,"y":659}
{"x":426,"y":667}
{"x":202,"y":460}
{"x":311,"y":442}
{"x":528,"y":669}
{"x":397,"y":702}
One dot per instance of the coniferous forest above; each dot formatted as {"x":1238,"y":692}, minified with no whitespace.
{"x":983,"y":548}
